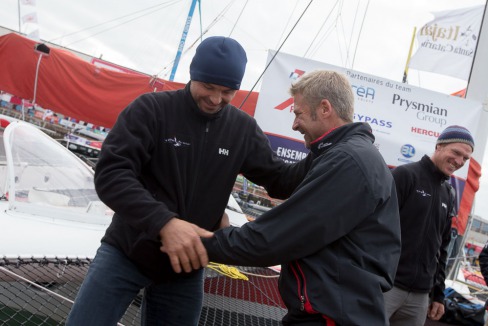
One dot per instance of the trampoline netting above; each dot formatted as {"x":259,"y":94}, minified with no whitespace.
{"x":28,"y":295}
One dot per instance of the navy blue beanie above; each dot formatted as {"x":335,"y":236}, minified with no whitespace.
{"x":219,"y":60}
{"x":456,"y":134}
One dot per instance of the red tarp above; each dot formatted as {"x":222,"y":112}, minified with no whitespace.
{"x":75,"y":88}
{"x":471,"y":187}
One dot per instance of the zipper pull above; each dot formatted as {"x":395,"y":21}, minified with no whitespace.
{"x":302,"y":303}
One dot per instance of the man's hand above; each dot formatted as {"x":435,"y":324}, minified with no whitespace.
{"x":181,"y":241}
{"x":436,"y":310}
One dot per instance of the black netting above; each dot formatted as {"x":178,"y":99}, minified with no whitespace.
{"x":29,"y":297}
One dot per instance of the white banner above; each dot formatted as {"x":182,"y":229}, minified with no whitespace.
{"x":447,"y":44}
{"x":406,"y":120}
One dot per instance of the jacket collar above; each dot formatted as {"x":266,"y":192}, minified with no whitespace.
{"x":434,"y":171}
{"x":337,"y":135}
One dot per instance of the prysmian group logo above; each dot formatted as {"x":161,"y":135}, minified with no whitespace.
{"x":424,"y":111}
{"x":407,"y":151}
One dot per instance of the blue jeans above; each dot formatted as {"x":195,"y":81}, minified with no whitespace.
{"x":113,"y":281}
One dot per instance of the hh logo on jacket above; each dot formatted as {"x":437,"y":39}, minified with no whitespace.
{"x":223,"y":151}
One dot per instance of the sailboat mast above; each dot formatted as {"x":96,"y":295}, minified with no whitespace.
{"x":405,"y":72}
{"x":18,"y":10}
{"x":183,"y":39}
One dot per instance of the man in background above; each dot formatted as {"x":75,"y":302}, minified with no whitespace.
{"x":427,"y":205}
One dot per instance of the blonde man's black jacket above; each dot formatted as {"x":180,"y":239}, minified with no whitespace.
{"x":337,"y":237}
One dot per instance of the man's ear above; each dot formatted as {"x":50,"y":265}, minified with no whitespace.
{"x":325,"y":107}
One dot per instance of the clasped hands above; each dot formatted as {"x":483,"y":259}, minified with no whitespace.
{"x":181,"y":242}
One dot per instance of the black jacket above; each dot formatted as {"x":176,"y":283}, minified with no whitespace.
{"x":337,"y":237}
{"x":427,"y":206}
{"x":165,"y":158}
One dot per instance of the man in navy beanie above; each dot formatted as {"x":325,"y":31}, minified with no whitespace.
{"x":427,"y":204}
{"x":167,"y":169}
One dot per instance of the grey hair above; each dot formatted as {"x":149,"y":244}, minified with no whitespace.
{"x":326,"y":84}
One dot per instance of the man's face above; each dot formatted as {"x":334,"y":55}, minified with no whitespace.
{"x":306,"y":121}
{"x":210,"y":98}
{"x":451,"y":157}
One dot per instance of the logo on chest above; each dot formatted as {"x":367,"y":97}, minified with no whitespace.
{"x":223,"y":151}
{"x":423,"y":193}
{"x":175,"y":142}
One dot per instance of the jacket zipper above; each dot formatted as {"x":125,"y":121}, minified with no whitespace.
{"x":301,"y":297}
{"x":424,"y":239}
{"x":305,"y":304}
{"x":197,"y":175}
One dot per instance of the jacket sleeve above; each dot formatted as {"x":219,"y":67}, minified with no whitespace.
{"x":263,"y":167}
{"x":317,"y":214}
{"x":118,"y":174}
{"x":440,"y":275}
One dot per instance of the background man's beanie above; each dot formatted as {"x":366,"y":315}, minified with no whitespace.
{"x":456,"y":134}
{"x":219,"y":60}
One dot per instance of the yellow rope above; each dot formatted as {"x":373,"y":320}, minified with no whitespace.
{"x":228,"y":271}
{"x":235,"y":273}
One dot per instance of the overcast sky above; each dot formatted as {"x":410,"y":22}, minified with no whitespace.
{"x":368,"y":36}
